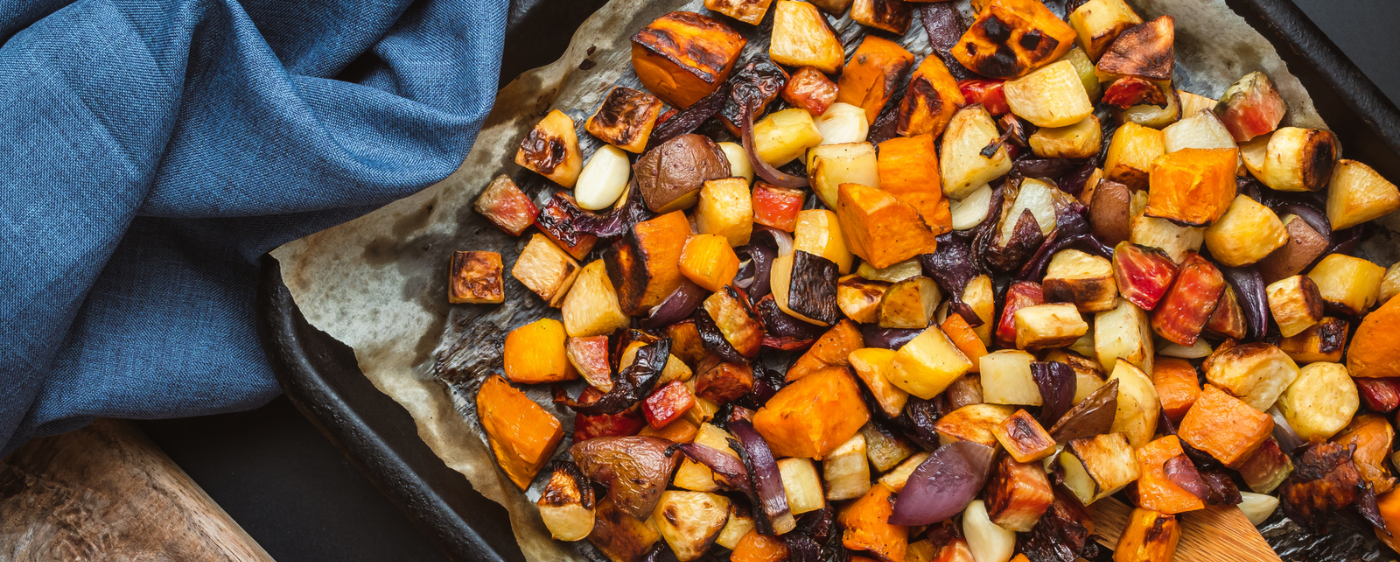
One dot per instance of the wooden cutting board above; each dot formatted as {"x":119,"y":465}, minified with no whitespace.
{"x":1214,"y":534}
{"x":105,"y":492}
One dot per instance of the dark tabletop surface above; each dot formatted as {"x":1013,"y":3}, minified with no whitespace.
{"x":301,"y":500}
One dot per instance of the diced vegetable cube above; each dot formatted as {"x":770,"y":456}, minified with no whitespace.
{"x":551,"y":149}
{"x":962,"y":167}
{"x":830,"y":165}
{"x":566,"y":505}
{"x":1132,"y":154}
{"x":867,"y":528}
{"x":908,"y":169}
{"x":534,"y":353}
{"x":506,"y":206}
{"x":1048,"y":325}
{"x":475,"y":278}
{"x":545,"y":269}
{"x":1017,"y":494}
{"x":1224,"y":426}
{"x":1299,"y":159}
{"x":1192,"y":186}
{"x":1099,"y":466}
{"x":724,"y":382}
{"x":979,"y":296}
{"x":708,"y":261}
{"x":619,"y":535}
{"x":909,"y":304}
{"x":1024,"y":438}
{"x":874,"y":366}
{"x":1246,"y":233}
{"x":1099,"y":22}
{"x":1155,"y":490}
{"x":1083,"y":279}
{"x":801,"y":37}
{"x":1350,"y":284}
{"x":690,"y":521}
{"x":694,"y":476}
{"x":521,"y":433}
{"x":813,"y":415}
{"x":1375,"y":348}
{"x":846,"y":471}
{"x":928,"y":364}
{"x":1198,"y":129}
{"x":1251,"y":107}
{"x":1150,"y":536}
{"x":1176,"y":240}
{"x":1143,"y":275}
{"x":859,"y":298}
{"x":645,"y":267}
{"x":785,"y":135}
{"x":1303,"y":248}
{"x":1052,"y":96}
{"x":876,"y":69}
{"x":1266,"y":467}
{"x":890,"y":15}
{"x":1182,"y":315}
{"x":667,"y":404}
{"x":1079,"y":140}
{"x":1295,"y":303}
{"x":684,"y":56}
{"x":726,"y":209}
{"x":965,"y":338}
{"x":556,"y":221}
{"x":973,"y":422}
{"x":1324,"y":341}
{"x":1123,"y":333}
{"x":1138,"y":405}
{"x":818,"y":232}
{"x":930,"y":100}
{"x":1010,"y":37}
{"x":811,"y":90}
{"x":1021,"y":294}
{"x":625,"y":119}
{"x":1006,"y":378}
{"x":1357,"y":194}
{"x":831,"y":349}
{"x":802,"y":485}
{"x":777,"y":207}
{"x":1256,"y":372}
{"x":1320,"y":402}
{"x":885,"y":448}
{"x":1177,"y":386}
{"x":591,"y":307}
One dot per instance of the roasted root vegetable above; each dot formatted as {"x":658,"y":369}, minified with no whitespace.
{"x":874,"y":366}
{"x":1006,"y":377}
{"x":1024,"y":438}
{"x":1086,"y":280}
{"x":551,"y":149}
{"x":1051,"y":96}
{"x":928,"y":364}
{"x":1143,"y":275}
{"x":1351,"y":285}
{"x":667,"y":404}
{"x":545,"y":269}
{"x":1295,"y":303}
{"x":1099,"y":22}
{"x":1183,"y":313}
{"x":1017,"y":494}
{"x":1320,"y":402}
{"x":645,"y":266}
{"x":801,"y":484}
{"x":726,"y":209}
{"x":1124,"y":333}
{"x":962,"y":167}
{"x":843,"y":123}
{"x":506,"y":206}
{"x":801,"y":37}
{"x":475,"y":278}
{"x":1048,"y":325}
{"x":566,"y":504}
{"x":1099,"y":466}
{"x":1225,"y":427}
{"x":887,"y":450}
{"x":812,"y":416}
{"x":973,"y":422}
{"x":812,"y":288}
{"x":859,"y":298}
{"x":1138,"y":405}
{"x":1251,"y":107}
{"x":1019,"y":295}
{"x":1111,"y":211}
{"x":670,"y":176}
{"x":889,"y":15}
{"x":591,"y":307}
{"x":1142,"y":51}
{"x":736,"y":323}
{"x":909,"y":304}
{"x":589,"y":356}
{"x":1303,"y":248}
{"x":1160,"y":461}
{"x":521,"y":433}
{"x":684,"y":56}
{"x":1375,"y":348}
{"x":1193,"y":186}
{"x":625,"y":119}
{"x":777,"y":207}
{"x":830,"y":165}
{"x":689,"y":522}
{"x":621,"y":536}
{"x":846,"y":471}
{"x":556,"y":221}
{"x":634,"y":470}
{"x":751,"y":88}
{"x":930,"y":100}
{"x":819,"y":232}
{"x":534,"y":353}
{"x":708,"y":261}
{"x":1371,"y":437}
{"x":876,"y":69}
{"x":1150,"y":536}
{"x":1357,"y":194}
{"x":1010,"y":37}
{"x":898,"y":476}
{"x":1255,"y":372}
{"x":811,"y":90}
{"x":1266,"y":467}
{"x":785,"y":135}
{"x":1299,"y":159}
{"x":1324,"y":341}
{"x":963,"y":336}
{"x":1132,"y":155}
{"x":832,"y":349}
{"x":1246,"y":233}
{"x":1079,"y":140}
{"x":1177,"y":386}
{"x":908,"y":170}
{"x":1176,"y":240}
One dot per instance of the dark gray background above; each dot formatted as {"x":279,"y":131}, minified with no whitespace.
{"x":301,"y":500}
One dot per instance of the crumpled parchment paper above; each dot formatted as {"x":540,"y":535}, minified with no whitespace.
{"x":378,"y":283}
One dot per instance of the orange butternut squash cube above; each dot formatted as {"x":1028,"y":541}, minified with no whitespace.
{"x":1389,"y":504}
{"x":777,"y":207}
{"x":551,"y":149}
{"x":908,"y":169}
{"x":475,"y":278}
{"x":930,"y":100}
{"x":1177,"y":385}
{"x":813,"y":415}
{"x":831,"y":350}
{"x":759,"y":548}
{"x":882,"y":229}
{"x":645,"y":267}
{"x":867,"y":527}
{"x":521,"y":433}
{"x":1192,"y":185}
{"x":1155,"y":491}
{"x":874,"y":72}
{"x":1150,"y":536}
{"x":1011,"y":37}
{"x":534,"y":353}
{"x":890,"y":15}
{"x":1224,"y":426}
{"x":709,"y":261}
{"x":1372,"y":435}
{"x":684,"y":56}
{"x":1375,"y":348}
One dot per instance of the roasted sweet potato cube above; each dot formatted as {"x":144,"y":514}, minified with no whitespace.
{"x":684,"y":56}
{"x":811,"y":90}
{"x":1132,"y":153}
{"x":506,"y":206}
{"x":1155,"y":490}
{"x":1324,"y":341}
{"x":813,"y":415}
{"x":974,"y":422}
{"x":754,"y":547}
{"x":1224,"y":426}
{"x":1099,"y":22}
{"x":1356,"y":194}
{"x":874,"y":366}
{"x":801,"y":37}
{"x":1144,"y":51}
{"x":1099,"y":466}
{"x":556,"y":221}
{"x":832,"y":349}
{"x":890,"y":15}
{"x":1349,"y":284}
{"x":867,"y":528}
{"x":551,"y":149}
{"x":475,"y":278}
{"x":1017,"y":494}
{"x":1176,"y":384}
{"x":1187,"y":308}
{"x":1149,"y":537}
{"x":625,"y":119}
{"x":1375,"y":348}
{"x":876,"y":69}
{"x":1193,"y":186}
{"x":645,"y":266}
{"x":930,"y":100}
{"x":726,"y":209}
{"x":534,"y":353}
{"x":667,"y":404}
{"x":1372,"y":436}
{"x":545,"y":269}
{"x":1389,"y":507}
{"x":1024,"y":438}
{"x":1295,"y":303}
{"x":1010,"y":37}
{"x":777,"y":207}
{"x":725,"y":382}
{"x":521,"y":433}
{"x":1044,"y":326}
{"x":1083,"y":279}
{"x":908,"y":169}
{"x":859,"y":298}
{"x":1246,"y":233}
{"x":739,"y":325}
{"x":709,"y":261}
{"x":680,"y":431}
{"x":882,"y":229}
{"x":747,"y":11}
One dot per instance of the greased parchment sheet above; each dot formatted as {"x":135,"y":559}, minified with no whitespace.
{"x":378,"y":283}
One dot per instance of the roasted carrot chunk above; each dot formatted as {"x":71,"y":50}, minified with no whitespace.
{"x":521,"y":433}
{"x":535,"y":353}
{"x":1224,"y":426}
{"x":1155,"y":491}
{"x":833,"y":348}
{"x":962,"y":335}
{"x":1177,"y":385}
{"x":814,"y":415}
{"x":867,"y":526}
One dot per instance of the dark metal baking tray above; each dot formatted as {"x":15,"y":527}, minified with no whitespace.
{"x":320,"y":375}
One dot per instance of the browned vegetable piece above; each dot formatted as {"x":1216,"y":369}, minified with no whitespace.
{"x":859,"y":298}
{"x":635,"y":470}
{"x":506,"y":206}
{"x":1011,"y":37}
{"x":1145,"y":51}
{"x":974,"y":422}
{"x":1149,"y":537}
{"x":882,"y":229}
{"x":747,"y":11}
{"x":1375,"y":348}
{"x":930,"y":100}
{"x":1110,"y":212}
{"x":1303,"y":248}
{"x":556,"y":221}
{"x":1024,"y":438}
{"x":625,"y":119}
{"x":1324,"y":481}
{"x":475,"y":278}
{"x":670,"y":176}
{"x":590,"y":357}
{"x":1228,"y":319}
{"x":684,"y":56}
{"x":1324,"y":341}
{"x":690,"y":521}
{"x":832,"y":349}
{"x":1099,"y":466}
{"x":876,"y":69}
{"x":1295,"y":304}
{"x":801,"y":37}
{"x":1099,"y":22}
{"x":1083,"y":279}
{"x":814,"y":415}
{"x":521,"y":433}
{"x":545,"y":269}
{"x":1017,"y":494}
{"x":1266,"y":468}
{"x":908,"y":170}
{"x":1372,"y":436}
{"x":644,"y":267}
{"x":811,"y":90}
{"x":621,"y":536}
{"x":1091,"y":416}
{"x":890,"y":15}
{"x":867,"y":527}
{"x":738,"y":324}
{"x":566,"y":504}
{"x":754,"y":86}
{"x":1184,"y":312}
{"x":909,"y":304}
{"x":725,"y":382}
{"x":1224,"y":426}
{"x":551,"y":149}
{"x":812,"y":288}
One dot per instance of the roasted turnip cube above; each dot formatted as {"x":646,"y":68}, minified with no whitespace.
{"x":1123,"y":333}
{"x":979,"y":296}
{"x":1048,"y":325}
{"x":784,"y":136}
{"x":506,"y":206}
{"x":551,"y":149}
{"x":1131,"y":155}
{"x":1357,"y":194}
{"x":545,"y":269}
{"x":1351,"y":285}
{"x":1097,"y":467}
{"x":1320,"y":401}
{"x":747,"y":11}
{"x":1324,"y":341}
{"x":1199,"y":129}
{"x":684,"y":56}
{"x":566,"y":505}
{"x":1017,"y":494}
{"x":1099,"y":22}
{"x":962,"y":166}
{"x":726,"y":209}
{"x":1299,"y":159}
{"x":1224,"y":426}
{"x":625,"y":119}
{"x":1255,"y":372}
{"x":846,"y":470}
{"x":1006,"y":378}
{"x":859,"y":298}
{"x":1052,"y":96}
{"x":690,"y":521}
{"x":1251,"y":107}
{"x":1083,"y":279}
{"x":1296,"y":304}
{"x":802,"y":485}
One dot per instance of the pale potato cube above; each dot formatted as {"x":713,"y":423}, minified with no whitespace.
{"x":783,"y":136}
{"x":801,"y":484}
{"x":726,"y":209}
{"x":961,"y":165}
{"x":1048,"y":325}
{"x":1051,"y":96}
{"x":1006,"y":378}
{"x":1246,"y":233}
{"x":830,"y":165}
{"x":1256,"y":373}
{"x":1124,"y":333}
{"x":846,"y":470}
{"x":1357,"y":194}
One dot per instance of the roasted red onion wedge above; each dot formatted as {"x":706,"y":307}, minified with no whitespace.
{"x":944,"y":484}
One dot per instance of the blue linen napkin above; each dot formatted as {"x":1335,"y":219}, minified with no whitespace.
{"x":151,"y":151}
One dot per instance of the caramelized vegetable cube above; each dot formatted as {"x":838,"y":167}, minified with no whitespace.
{"x":1251,"y":107}
{"x":1375,"y":348}
{"x":1018,"y":494}
{"x":1299,"y":159}
{"x":974,"y":422}
{"x":725,"y":382}
{"x":801,"y":37}
{"x":556,"y":221}
{"x":908,"y":170}
{"x":1320,"y":402}
{"x":1193,"y":186}
{"x":684,"y":56}
{"x":859,"y":298}
{"x":1099,"y":22}
{"x":690,"y":521}
{"x":1177,"y":241}
{"x":619,"y":535}
{"x":1181,"y":316}
{"x":831,"y":349}
{"x":819,"y":232}
{"x":475,"y":278}
{"x":812,"y":288}
{"x":625,"y":119}
{"x":1324,"y":341}
{"x":1052,"y":96}
{"x":1357,"y":194}
{"x":874,"y":366}
{"x":506,"y":206}
{"x":1296,"y":304}
{"x":551,"y":149}
{"x":1024,"y":438}
{"x":726,"y":209}
{"x":962,"y":166}
{"x":963,"y":336}
{"x":867,"y":528}
{"x":930,"y":100}
{"x":534,"y":353}
{"x":667,"y":404}
{"x":928,"y":364}
{"x":545,"y":269}
{"x":876,"y":69}
{"x":1303,"y":248}
{"x":1246,"y":233}
{"x":645,"y":266}
{"x":591,"y":307}
{"x":759,"y":548}
{"x":1021,"y":294}
{"x":521,"y":433}
{"x":830,"y":165}
{"x":736,"y":322}
{"x":890,"y":15}
{"x":747,"y":11}
{"x":1224,"y":426}
{"x":1132,"y":153}
{"x":1150,"y":536}
{"x":1266,"y":467}
{"x":1099,"y":466}
{"x":802,"y":485}
{"x":1177,"y":386}
{"x":708,"y":261}
{"x":1079,"y":140}
{"x":1048,"y":325}
{"x":846,"y":471}
{"x":813,"y":415}
{"x":670,"y":176}
{"x":1010,"y":37}
{"x":1144,"y":51}
{"x":1155,"y":490}
{"x":1352,"y":285}
{"x":777,"y":207}
{"x":1006,"y":377}
{"x":785,"y":135}
{"x":1372,"y":436}
{"x":811,"y":90}
{"x":1085,"y":280}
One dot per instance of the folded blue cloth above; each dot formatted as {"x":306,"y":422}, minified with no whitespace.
{"x":152,"y":151}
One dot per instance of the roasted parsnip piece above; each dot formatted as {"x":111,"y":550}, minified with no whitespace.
{"x":1083,"y":279}
{"x":785,"y":135}
{"x":1320,"y":402}
{"x":846,"y":470}
{"x":566,"y":504}
{"x":1295,"y":303}
{"x":1138,"y":405}
{"x":1298,"y":159}
{"x":1357,"y":194}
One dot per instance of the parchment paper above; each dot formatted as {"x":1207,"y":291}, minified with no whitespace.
{"x":378,"y":283}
